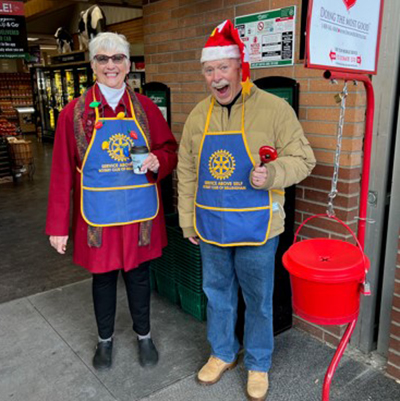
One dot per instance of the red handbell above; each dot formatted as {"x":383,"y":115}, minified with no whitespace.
{"x":267,"y":154}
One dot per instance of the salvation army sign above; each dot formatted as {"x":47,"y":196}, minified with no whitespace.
{"x":343,"y":35}
{"x":13,"y":40}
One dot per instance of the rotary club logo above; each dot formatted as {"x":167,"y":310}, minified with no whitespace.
{"x":118,"y":147}
{"x":221,"y":164}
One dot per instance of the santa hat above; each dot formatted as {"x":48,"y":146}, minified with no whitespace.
{"x":224,"y":42}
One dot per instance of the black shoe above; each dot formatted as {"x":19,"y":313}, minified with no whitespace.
{"x":102,"y":357}
{"x":148,"y":354}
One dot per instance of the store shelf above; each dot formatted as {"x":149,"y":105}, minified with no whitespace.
{"x":15,"y":91}
{"x":5,"y":162}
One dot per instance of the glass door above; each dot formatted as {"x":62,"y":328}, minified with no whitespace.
{"x":49,"y":123}
{"x":39,"y":94}
{"x":69,"y":85}
{"x":82,"y":79}
{"x":58,"y":92}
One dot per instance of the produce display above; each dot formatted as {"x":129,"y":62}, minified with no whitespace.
{"x":7,"y":128}
{"x":15,"y":91}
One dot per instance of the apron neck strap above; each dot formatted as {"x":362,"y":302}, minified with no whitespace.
{"x":210,"y":109}
{"x":96,"y":109}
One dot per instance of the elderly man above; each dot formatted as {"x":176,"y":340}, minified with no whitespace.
{"x":232,"y":206}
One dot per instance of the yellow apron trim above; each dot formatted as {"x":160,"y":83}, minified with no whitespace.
{"x":117,"y":188}
{"x":221,"y":209}
{"x":118,"y":224}
{"x":278,"y":191}
{"x":198,"y":165}
{"x":209,"y":115}
{"x":86,"y":156}
{"x":239,"y":243}
{"x":242,"y":112}
{"x":224,"y":133}
{"x":197,"y":182}
{"x":133,"y":118}
{"x":84,"y":162}
{"x":137,"y":123}
{"x":114,"y":118}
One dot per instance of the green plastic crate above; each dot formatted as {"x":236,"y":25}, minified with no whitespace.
{"x":178,"y":272}
{"x":193,"y":303}
{"x":166,"y":286}
{"x":153,"y":283}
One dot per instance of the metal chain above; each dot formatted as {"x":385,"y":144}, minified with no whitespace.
{"x":332,"y":195}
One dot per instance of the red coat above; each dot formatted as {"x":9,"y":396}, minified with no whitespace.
{"x":119,"y":248}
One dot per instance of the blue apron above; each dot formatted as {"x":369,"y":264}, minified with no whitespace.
{"x":228,"y":210}
{"x":111,"y":194}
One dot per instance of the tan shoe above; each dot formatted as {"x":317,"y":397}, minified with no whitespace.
{"x":257,"y":385}
{"x":213,"y":370}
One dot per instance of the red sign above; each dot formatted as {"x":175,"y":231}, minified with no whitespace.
{"x":13,"y":38}
{"x":11,"y":7}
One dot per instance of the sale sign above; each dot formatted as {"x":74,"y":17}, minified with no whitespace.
{"x":343,"y":35}
{"x":13,"y":38}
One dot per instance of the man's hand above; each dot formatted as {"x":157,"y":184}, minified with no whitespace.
{"x":151,"y":163}
{"x":259,"y":176}
{"x":59,"y":243}
{"x":194,"y":240}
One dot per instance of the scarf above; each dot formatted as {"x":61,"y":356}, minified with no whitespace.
{"x":82,"y":121}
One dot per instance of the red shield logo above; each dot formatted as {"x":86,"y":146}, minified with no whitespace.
{"x":349,"y":3}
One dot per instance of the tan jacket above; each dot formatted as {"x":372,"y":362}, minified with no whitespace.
{"x":269,"y":120}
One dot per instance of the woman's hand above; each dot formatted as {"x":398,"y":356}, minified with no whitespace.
{"x":59,"y":243}
{"x":151,"y":163}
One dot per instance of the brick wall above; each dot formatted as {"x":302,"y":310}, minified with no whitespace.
{"x":175,"y":32}
{"x":393,"y":364}
{"x":132,"y":29}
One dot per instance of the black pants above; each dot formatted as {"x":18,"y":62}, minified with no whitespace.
{"x":137,"y":284}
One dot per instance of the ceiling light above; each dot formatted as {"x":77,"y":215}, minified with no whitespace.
{"x":32,"y":39}
{"x":48,"y":47}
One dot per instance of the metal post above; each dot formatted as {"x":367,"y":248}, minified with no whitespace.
{"x":336,"y":359}
{"x":369,"y":119}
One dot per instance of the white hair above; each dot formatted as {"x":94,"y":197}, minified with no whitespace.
{"x":109,"y":42}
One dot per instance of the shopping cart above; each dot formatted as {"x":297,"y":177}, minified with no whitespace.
{"x":22,"y":160}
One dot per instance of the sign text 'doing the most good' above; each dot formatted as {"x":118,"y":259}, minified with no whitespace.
{"x":13,"y":40}
{"x":343,"y":35}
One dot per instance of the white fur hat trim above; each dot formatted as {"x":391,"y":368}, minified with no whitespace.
{"x":219,"y":53}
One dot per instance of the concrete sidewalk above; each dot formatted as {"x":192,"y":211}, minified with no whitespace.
{"x":48,"y":339}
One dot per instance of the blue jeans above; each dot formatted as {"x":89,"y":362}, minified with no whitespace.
{"x":251,"y":268}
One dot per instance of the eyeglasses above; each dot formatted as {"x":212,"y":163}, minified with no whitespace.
{"x":102,"y":59}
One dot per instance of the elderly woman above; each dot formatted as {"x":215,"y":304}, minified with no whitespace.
{"x":117,"y":220}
